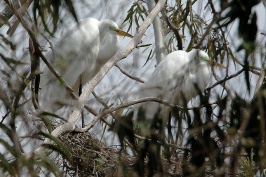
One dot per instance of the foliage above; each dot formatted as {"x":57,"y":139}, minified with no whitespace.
{"x":224,"y":134}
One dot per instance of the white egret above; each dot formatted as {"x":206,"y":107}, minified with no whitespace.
{"x":177,"y":79}
{"x":79,"y":55}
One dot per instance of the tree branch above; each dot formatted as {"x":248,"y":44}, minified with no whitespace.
{"x":125,"y":105}
{"x":129,"y":75}
{"x":158,"y":34}
{"x":22,"y":10}
{"x":225,"y":79}
{"x":215,"y":18}
{"x":261,"y":77}
{"x":7,"y":13}
{"x":174,"y":29}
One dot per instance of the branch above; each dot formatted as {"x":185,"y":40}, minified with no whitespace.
{"x":128,"y":75}
{"x":7,"y":13}
{"x":225,"y":79}
{"x":174,"y":29}
{"x":264,"y":3}
{"x":22,"y":10}
{"x":261,"y":78}
{"x":125,"y":105}
{"x":215,"y":18}
{"x":158,"y":34}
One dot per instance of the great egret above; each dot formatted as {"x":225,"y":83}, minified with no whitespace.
{"x":79,"y":55}
{"x":177,"y":79}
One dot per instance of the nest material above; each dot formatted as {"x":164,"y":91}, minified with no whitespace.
{"x":90,"y":157}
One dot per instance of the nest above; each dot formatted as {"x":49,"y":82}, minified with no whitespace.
{"x":89,"y":156}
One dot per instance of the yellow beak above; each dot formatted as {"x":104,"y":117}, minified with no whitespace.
{"x":123,"y":33}
{"x":212,"y":63}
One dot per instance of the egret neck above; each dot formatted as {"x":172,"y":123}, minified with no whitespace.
{"x":109,"y":41}
{"x":199,"y":70}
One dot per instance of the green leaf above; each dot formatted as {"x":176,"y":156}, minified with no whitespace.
{"x":129,"y":14}
{"x":64,"y":152}
{"x":9,"y":61}
{"x":46,"y":162}
{"x":147,"y":58}
{"x":6,"y":166}
{"x":8,"y":42}
{"x":136,"y":20}
{"x":144,"y":45}
{"x":71,"y":9}
{"x":7,"y":130}
{"x":8,"y":147}
{"x":61,"y":148}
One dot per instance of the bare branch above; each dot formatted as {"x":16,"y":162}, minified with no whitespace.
{"x":125,"y":105}
{"x":261,"y":77}
{"x":225,"y":79}
{"x":174,"y":29}
{"x":158,"y":34}
{"x":129,"y":75}
{"x":22,"y":10}
{"x":7,"y":13}
{"x":215,"y":18}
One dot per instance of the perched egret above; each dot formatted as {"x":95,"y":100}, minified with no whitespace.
{"x":78,"y":56}
{"x":177,"y":79}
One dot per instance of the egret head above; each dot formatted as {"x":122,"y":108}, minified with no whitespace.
{"x":120,"y":32}
{"x":109,"y":26}
{"x":204,"y":57}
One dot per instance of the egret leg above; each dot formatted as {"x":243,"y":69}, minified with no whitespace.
{"x":82,"y":113}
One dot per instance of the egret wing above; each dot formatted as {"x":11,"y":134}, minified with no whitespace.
{"x":160,"y":84}
{"x":74,"y":58}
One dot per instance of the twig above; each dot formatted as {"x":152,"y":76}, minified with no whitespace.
{"x":215,"y":18}
{"x":261,"y":77}
{"x":7,"y":13}
{"x":174,"y":29}
{"x":35,"y":67}
{"x":22,"y":10}
{"x":129,"y":75}
{"x":225,"y":79}
{"x":124,"y":105}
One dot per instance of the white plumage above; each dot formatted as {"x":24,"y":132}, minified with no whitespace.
{"x":177,"y":79}
{"x":79,"y":55}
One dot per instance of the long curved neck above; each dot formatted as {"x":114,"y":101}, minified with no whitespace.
{"x":199,"y":73}
{"x":195,"y":66}
{"x":108,"y":44}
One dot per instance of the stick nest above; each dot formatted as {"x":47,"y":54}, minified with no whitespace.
{"x":89,"y":156}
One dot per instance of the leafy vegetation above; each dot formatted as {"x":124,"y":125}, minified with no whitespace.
{"x":222,"y":134}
